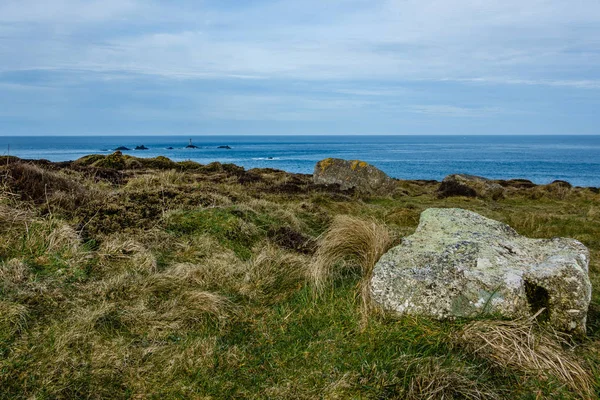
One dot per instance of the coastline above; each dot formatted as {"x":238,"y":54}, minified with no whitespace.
{"x":541,"y":159}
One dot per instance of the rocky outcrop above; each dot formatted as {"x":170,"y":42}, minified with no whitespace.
{"x":352,"y":174}
{"x":470,"y":186}
{"x":460,"y":264}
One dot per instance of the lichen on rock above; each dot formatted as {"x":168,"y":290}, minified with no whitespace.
{"x":461,"y":264}
{"x":353,"y":174}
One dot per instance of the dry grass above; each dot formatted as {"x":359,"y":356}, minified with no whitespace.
{"x":128,"y":306}
{"x":521,"y":345}
{"x":350,"y":242}
{"x":274,"y":274}
{"x":14,"y":271}
{"x":121,"y":253}
{"x":13,"y":319}
{"x":432,"y":380}
{"x":38,"y":184}
{"x":157,"y":179}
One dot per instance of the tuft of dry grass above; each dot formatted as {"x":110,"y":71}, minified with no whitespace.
{"x":274,"y":274}
{"x":13,"y":319}
{"x":126,"y":254}
{"x":521,"y":345}
{"x":14,"y":271}
{"x":432,"y":380}
{"x":350,"y":242}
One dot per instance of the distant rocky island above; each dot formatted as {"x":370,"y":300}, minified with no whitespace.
{"x":191,"y":145}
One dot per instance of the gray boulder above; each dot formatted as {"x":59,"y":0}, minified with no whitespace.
{"x":470,"y":186}
{"x":460,"y":264}
{"x":352,"y":174}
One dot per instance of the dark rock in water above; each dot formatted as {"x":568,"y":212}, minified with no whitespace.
{"x":269,"y":158}
{"x":470,"y":186}
{"x":224,"y":147}
{"x":353,"y":174}
{"x":191,"y":146}
{"x":122,"y":148}
{"x":169,"y":148}
{"x":142,"y":147}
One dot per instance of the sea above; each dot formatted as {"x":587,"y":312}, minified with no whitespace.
{"x":541,"y":159}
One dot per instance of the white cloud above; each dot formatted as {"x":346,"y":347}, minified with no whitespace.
{"x":531,"y":41}
{"x":454,"y":111}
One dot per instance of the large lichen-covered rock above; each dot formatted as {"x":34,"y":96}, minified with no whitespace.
{"x":470,"y":186}
{"x":460,"y":264}
{"x":352,"y":174}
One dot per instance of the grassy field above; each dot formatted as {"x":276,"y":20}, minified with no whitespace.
{"x":145,"y":278}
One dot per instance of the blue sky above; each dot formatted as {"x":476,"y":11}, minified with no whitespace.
{"x":133,"y":67}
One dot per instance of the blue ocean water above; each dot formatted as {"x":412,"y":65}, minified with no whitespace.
{"x":541,"y":159}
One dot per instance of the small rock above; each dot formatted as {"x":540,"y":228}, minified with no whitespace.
{"x":224,"y":147}
{"x":352,"y":174}
{"x":470,"y":186}
{"x":142,"y":147}
{"x":122,"y":148}
{"x":191,"y":146}
{"x":562,"y":184}
{"x":461,"y":264}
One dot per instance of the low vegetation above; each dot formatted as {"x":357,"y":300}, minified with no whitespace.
{"x":145,"y":278}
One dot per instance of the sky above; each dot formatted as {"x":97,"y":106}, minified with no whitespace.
{"x":412,"y":67}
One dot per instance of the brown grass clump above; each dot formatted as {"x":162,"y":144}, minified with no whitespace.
{"x":13,"y":319}
{"x":14,"y":272}
{"x":432,"y":380}
{"x":520,"y":345}
{"x":39,"y":185}
{"x":274,"y":274}
{"x":195,"y":307}
{"x":126,"y":254}
{"x":349,"y":243}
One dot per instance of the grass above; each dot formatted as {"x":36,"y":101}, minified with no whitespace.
{"x":126,"y":278}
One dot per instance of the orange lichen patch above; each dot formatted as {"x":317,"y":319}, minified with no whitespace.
{"x":326,"y":163}
{"x":357,"y":164}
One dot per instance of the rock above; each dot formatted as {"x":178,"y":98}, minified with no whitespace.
{"x":224,"y":147}
{"x":562,"y":184}
{"x":460,"y":264}
{"x":142,"y":147}
{"x":122,"y":148}
{"x":191,"y":146}
{"x":352,"y":174}
{"x":517,"y":183}
{"x":470,"y":186}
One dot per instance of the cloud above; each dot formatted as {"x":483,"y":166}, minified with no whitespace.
{"x":380,"y":63}
{"x":453,"y":111}
{"x":579,"y":84}
{"x":399,"y":40}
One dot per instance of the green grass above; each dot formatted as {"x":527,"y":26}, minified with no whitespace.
{"x":172,"y":285}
